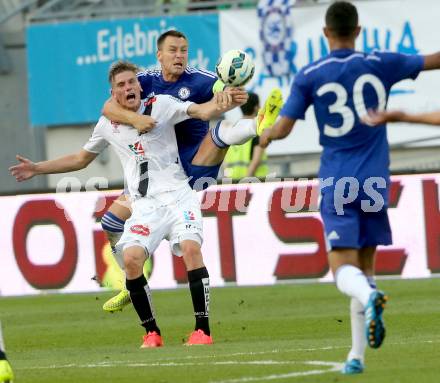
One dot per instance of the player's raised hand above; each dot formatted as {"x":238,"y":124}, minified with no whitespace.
{"x":238,"y":94}
{"x":375,"y":118}
{"x":223,"y":100}
{"x":24,"y":170}
{"x":142,"y":123}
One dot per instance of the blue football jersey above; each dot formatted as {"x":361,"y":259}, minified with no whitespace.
{"x":193,"y":85}
{"x":342,"y":87}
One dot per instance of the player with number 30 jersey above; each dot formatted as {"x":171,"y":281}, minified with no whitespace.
{"x":354,"y":171}
{"x":342,"y":87}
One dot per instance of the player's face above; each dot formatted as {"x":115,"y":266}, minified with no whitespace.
{"x":127,"y":90}
{"x":173,"y":57}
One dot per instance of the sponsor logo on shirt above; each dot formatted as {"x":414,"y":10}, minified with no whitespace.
{"x":140,"y":229}
{"x":150,"y":101}
{"x":189,"y":215}
{"x":184,"y":93}
{"x":138,"y":150}
{"x":115,"y":127}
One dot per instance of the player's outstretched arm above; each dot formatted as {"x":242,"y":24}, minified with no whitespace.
{"x":239,"y":96}
{"x":281,"y":129}
{"x":257,"y":155}
{"x":222,"y":102}
{"x":26,"y":169}
{"x":432,"y":61}
{"x":382,"y":117}
{"x":115,"y":112}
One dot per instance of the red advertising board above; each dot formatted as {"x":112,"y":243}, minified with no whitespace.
{"x":254,"y":234}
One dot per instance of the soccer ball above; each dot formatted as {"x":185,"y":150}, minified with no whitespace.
{"x":235,"y":68}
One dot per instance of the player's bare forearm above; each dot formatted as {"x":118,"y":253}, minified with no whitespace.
{"x":115,"y":112}
{"x":432,"y":61}
{"x":257,"y":154}
{"x":206,"y":111}
{"x":430,"y":118}
{"x":280,"y":130}
{"x":26,"y":169}
{"x":381,"y":117}
{"x":65,"y":164}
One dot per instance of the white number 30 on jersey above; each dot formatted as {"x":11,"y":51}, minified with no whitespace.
{"x":340,"y":105}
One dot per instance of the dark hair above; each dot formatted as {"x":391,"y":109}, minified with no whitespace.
{"x":252,"y":102}
{"x":172,"y":33}
{"x":119,"y":67}
{"x":342,"y":18}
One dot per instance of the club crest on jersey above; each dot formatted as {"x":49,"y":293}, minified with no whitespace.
{"x":115,"y":127}
{"x":184,"y":93}
{"x":189,"y":215}
{"x":138,"y":150}
{"x":140,"y":229}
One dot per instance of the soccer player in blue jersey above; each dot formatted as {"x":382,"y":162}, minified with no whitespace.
{"x":354,"y":171}
{"x":201,"y":149}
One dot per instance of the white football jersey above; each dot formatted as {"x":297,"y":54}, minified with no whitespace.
{"x":151,"y":160}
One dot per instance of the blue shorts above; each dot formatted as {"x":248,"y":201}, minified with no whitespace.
{"x":200,"y":177}
{"x":356,"y":228}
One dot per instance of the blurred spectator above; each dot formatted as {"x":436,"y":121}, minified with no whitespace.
{"x":203,"y":7}
{"x":173,"y":6}
{"x":249,"y":159}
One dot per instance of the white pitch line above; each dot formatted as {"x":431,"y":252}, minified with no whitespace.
{"x":177,"y":364}
{"x":192,"y":357}
{"x":334,"y":366}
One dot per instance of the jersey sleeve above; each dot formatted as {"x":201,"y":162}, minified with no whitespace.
{"x":97,"y":143}
{"x":175,"y":109}
{"x":299,"y":99}
{"x":398,"y":66}
{"x":146,"y":80}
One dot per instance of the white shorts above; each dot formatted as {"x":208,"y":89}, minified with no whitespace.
{"x":176,"y":220}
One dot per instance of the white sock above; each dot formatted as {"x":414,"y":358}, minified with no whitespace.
{"x":352,"y":281}
{"x":225,"y":133}
{"x":113,"y":238}
{"x":372,"y":282}
{"x":358,"y":339}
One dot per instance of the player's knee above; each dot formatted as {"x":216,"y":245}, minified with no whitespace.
{"x":190,"y":249}
{"x":134,"y":259}
{"x":192,"y":255}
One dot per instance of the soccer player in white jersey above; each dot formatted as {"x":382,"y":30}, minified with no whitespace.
{"x":201,"y":149}
{"x":164,"y":205}
{"x":354,"y":169}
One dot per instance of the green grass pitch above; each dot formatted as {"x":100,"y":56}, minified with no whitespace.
{"x":281,"y":333}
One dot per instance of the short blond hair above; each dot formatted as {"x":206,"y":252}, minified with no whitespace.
{"x":119,"y":67}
